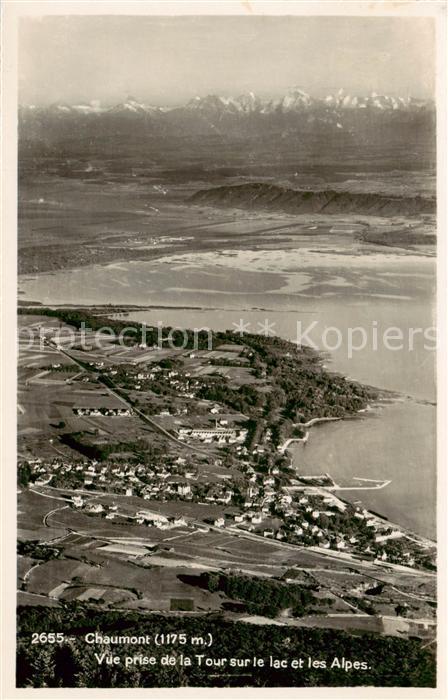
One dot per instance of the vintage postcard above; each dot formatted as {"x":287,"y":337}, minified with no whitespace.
{"x":224,"y":252}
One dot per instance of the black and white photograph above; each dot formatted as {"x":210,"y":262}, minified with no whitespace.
{"x":227,"y":342}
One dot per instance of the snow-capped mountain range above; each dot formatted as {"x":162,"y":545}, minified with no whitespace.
{"x":296,"y":115}
{"x":294,"y":100}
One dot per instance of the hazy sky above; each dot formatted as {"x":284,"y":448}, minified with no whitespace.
{"x":168,"y":60}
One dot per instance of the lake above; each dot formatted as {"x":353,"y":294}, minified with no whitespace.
{"x":371,"y":288}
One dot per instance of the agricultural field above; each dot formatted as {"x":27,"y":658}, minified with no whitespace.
{"x":25,"y":598}
{"x":49,"y":576}
{"x":118,"y":563}
{"x":31,"y":513}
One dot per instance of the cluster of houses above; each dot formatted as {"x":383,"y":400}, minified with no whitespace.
{"x":300,"y":517}
{"x":270,"y":509}
{"x":304,"y":519}
{"x":219,"y":493}
{"x":174,"y":480}
{"x":102,"y":411}
{"x":151,"y":519}
{"x":140,"y":517}
{"x":124,"y":478}
{"x":179,"y":382}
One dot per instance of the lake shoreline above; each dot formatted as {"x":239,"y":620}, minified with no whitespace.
{"x":405,"y":379}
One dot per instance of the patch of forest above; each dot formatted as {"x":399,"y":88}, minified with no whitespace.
{"x":390,"y":661}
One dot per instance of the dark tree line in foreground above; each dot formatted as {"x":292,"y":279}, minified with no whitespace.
{"x":391,"y":661}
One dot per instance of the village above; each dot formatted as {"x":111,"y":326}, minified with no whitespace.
{"x":179,"y":458}
{"x":295,"y":512}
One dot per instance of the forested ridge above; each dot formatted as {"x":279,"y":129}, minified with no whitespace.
{"x":390,"y":661}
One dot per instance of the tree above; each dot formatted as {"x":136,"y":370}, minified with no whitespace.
{"x":24,"y":474}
